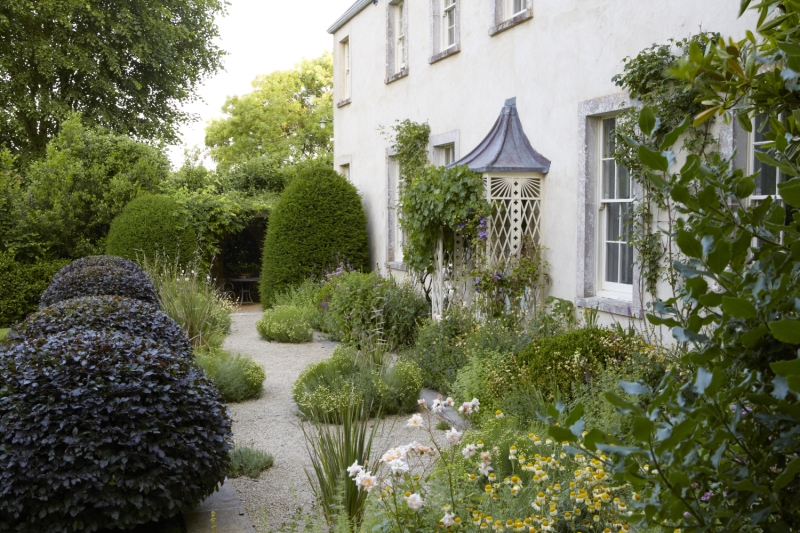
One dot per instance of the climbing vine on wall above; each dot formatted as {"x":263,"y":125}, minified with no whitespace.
{"x":646,"y":77}
{"x":434,"y":201}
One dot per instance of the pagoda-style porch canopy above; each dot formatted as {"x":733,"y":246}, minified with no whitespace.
{"x":506,"y":148}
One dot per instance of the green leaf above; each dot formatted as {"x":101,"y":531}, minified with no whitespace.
{"x":633,"y":388}
{"x":786,"y":330}
{"x":561,"y":434}
{"x":788,"y":474}
{"x":702,"y":381}
{"x":745,"y":122}
{"x":704,"y":116}
{"x":648,"y":122}
{"x":739,"y":307}
{"x":790,"y":192}
{"x":750,"y":338}
{"x":575,"y":415}
{"x":620,"y":404}
{"x":787,"y":368}
{"x":672,"y":137}
{"x":642,"y":428}
{"x":652,"y":159}
{"x":688,"y":244}
{"x":785,"y":167}
{"x":718,"y":259}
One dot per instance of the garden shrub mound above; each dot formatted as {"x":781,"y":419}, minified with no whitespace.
{"x":357,"y":305}
{"x":102,"y":430}
{"x":285,"y":324}
{"x":562,"y":361}
{"x":22,"y":286}
{"x":317,"y":223}
{"x":237,"y":377}
{"x":326,"y":388}
{"x":152,"y":225}
{"x":99,"y":260}
{"x":100,"y":281}
{"x":105,"y":313}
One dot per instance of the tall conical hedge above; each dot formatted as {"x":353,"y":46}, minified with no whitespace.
{"x":152,"y":224}
{"x":318,"y":222}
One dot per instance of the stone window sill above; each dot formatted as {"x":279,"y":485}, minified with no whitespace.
{"x":343,"y":103}
{"x":510,"y":23}
{"x":447,"y":53}
{"x":396,"y":265}
{"x":611,"y":305}
{"x":402,"y":74}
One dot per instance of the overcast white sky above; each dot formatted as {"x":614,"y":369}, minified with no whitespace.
{"x":260,"y":36}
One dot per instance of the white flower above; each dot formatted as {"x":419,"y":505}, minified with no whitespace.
{"x":469,"y":450}
{"x":391,"y":455}
{"x":421,"y":402}
{"x":437,"y":406}
{"x":415,"y":502}
{"x":415,"y":421}
{"x":355,"y":469}
{"x":366,"y":481}
{"x":453,"y":436}
{"x":447,"y":519}
{"x":437,"y":317}
{"x":398,"y":466}
{"x":475,"y":404}
{"x":484,"y":469}
{"x":486,"y":457}
{"x":449,"y":401}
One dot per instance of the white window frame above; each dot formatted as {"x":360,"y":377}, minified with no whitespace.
{"x":346,"y":74}
{"x":449,"y":24}
{"x":610,"y":288}
{"x":753,"y":146}
{"x":401,"y":44}
{"x":510,"y":8}
{"x":396,"y":237}
{"x":397,"y":57}
{"x":445,"y":17}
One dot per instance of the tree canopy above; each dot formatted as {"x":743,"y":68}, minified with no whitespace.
{"x":279,"y":118}
{"x":126,"y":66}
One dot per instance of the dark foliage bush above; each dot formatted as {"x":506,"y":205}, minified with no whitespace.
{"x":100,"y":281}
{"x":104,"y":430}
{"x":152,"y":225}
{"x":99,"y":260}
{"x":105,"y":313}
{"x":22,"y":286}
{"x":318,"y":222}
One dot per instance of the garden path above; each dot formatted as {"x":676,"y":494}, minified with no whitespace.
{"x":271,"y":422}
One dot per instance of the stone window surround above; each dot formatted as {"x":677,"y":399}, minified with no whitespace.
{"x":589,"y":114}
{"x":437,"y":54}
{"x":345,"y":161}
{"x":443,"y":139}
{"x":391,"y":214}
{"x":392,"y":73}
{"x":500,"y":24}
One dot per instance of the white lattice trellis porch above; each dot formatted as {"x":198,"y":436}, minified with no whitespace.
{"x":516,"y":215}
{"x":512,"y":173}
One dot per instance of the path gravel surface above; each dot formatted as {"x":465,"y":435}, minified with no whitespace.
{"x":272,"y":422}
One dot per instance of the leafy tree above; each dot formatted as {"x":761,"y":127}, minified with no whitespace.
{"x":69,"y":199}
{"x":124,"y":65}
{"x":280,"y":118}
{"x":714,"y":447}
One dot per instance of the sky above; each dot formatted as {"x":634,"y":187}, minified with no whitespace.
{"x":260,"y":36}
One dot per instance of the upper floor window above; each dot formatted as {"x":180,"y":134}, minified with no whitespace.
{"x":509,"y":13}
{"x":514,"y":7}
{"x":445,"y":38}
{"x":616,"y":208}
{"x":396,"y":40}
{"x":449,"y":24}
{"x":344,"y":76}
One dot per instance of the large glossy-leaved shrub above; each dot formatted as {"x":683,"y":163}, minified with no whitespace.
{"x":100,"y":281}
{"x":104,"y":430}
{"x":318,"y":222}
{"x":105,"y":313}
{"x":152,"y":225}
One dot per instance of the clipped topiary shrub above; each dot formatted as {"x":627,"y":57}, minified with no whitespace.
{"x":99,"y":260}
{"x":237,"y":377}
{"x":285,"y":324}
{"x":318,"y":222}
{"x":152,"y":225}
{"x":100,"y":281}
{"x":326,"y":388}
{"x":102,"y":430}
{"x":105,"y":313}
{"x":22,"y":286}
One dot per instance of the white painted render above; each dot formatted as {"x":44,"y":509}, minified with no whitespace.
{"x":554,"y":63}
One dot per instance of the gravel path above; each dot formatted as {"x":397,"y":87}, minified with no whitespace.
{"x":271,"y":422}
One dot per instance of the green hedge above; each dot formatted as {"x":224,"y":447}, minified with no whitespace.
{"x":318,"y":223}
{"x":22,"y":285}
{"x":152,"y":224}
